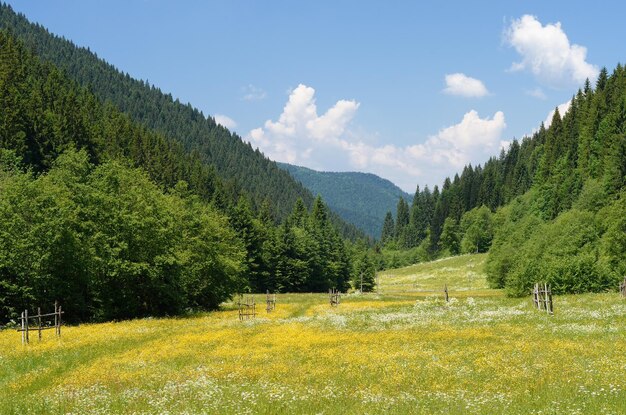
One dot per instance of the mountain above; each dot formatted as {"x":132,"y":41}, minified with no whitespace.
{"x":359,"y":198}
{"x":242,"y":169}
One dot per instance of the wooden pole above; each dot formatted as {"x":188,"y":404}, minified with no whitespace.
{"x":239,"y":308}
{"x":60,"y":313}
{"x":26,"y":320}
{"x":56,"y":318}
{"x":445,"y":292}
{"x":39,"y":321}
{"x":23,"y":330}
{"x":550,"y":303}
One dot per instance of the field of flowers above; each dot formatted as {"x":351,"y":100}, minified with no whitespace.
{"x":401,"y":350}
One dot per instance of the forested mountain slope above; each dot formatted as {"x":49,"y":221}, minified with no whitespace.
{"x":359,"y":198}
{"x":241,"y":168}
{"x":551,"y":208}
{"x":116,"y":221}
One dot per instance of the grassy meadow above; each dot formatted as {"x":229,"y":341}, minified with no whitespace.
{"x":400,"y":350}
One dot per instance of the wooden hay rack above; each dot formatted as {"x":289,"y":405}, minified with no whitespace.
{"x":542,"y":297}
{"x":42,"y":322}
{"x":334,"y":297}
{"x":247,"y":308}
{"x":270,"y":302}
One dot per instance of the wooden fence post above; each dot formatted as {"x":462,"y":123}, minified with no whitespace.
{"x":39,"y":321}
{"x":549,"y":304}
{"x":26,"y":321}
{"x":56,"y":318}
{"x":60,"y":314}
{"x":23,"y":329}
{"x":239,"y":305}
{"x":445,"y":293}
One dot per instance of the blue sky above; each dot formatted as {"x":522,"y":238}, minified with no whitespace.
{"x":405,"y":90}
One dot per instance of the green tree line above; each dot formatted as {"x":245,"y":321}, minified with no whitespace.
{"x":549,"y":208}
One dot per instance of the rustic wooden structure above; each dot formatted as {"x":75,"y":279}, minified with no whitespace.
{"x":334,"y":296}
{"x":43,"y":322}
{"x":270,"y":301}
{"x":542,"y":297}
{"x":622,"y":288}
{"x":247,"y":308}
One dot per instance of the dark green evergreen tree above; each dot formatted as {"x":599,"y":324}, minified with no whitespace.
{"x":389,"y":229}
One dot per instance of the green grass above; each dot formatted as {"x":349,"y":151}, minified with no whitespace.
{"x":460,"y":273}
{"x":400,"y":350}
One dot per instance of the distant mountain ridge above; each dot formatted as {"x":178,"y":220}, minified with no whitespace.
{"x":362,"y":199}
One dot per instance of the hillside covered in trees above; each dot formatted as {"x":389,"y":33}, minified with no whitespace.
{"x":359,"y":198}
{"x":242,"y":169}
{"x":115,"y":220}
{"x":550,"y":208}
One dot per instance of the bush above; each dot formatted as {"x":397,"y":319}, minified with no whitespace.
{"x":477,"y":229}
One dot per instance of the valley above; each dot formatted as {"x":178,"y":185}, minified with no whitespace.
{"x":400,"y":350}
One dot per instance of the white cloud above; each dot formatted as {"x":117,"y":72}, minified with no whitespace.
{"x":537,"y":93}
{"x":225,"y":121}
{"x":299,"y":129}
{"x":326,"y":142}
{"x":465,"y":86}
{"x":547,"y":53}
{"x":505,"y":144}
{"x":563,"y":108}
{"x":253,"y":93}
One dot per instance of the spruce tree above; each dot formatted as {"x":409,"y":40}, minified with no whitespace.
{"x":402,"y":218}
{"x":389,"y":227}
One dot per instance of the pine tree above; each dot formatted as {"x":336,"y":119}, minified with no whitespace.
{"x":388,"y":231}
{"x":299,"y":215}
{"x":402,"y":218}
